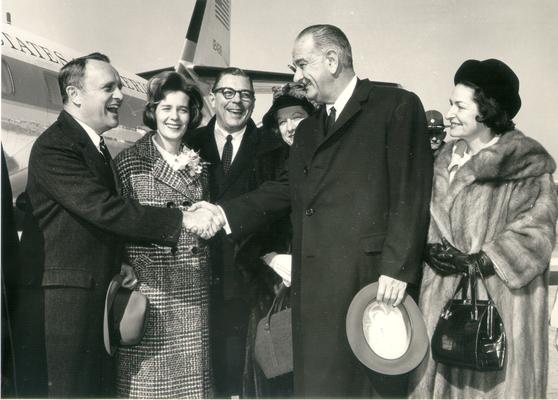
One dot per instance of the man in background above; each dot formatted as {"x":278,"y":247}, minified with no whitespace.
{"x":435,"y":129}
{"x":230,"y":143}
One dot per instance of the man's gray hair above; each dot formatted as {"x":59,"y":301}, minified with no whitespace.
{"x":329,"y":36}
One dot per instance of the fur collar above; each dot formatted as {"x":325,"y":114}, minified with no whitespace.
{"x":515,"y":156}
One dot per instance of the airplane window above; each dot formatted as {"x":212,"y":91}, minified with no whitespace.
{"x":54,"y":96}
{"x":7,"y":80}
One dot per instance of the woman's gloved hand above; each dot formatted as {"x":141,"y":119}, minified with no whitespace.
{"x":448,"y":260}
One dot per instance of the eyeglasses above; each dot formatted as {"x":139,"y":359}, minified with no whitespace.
{"x":228,"y":93}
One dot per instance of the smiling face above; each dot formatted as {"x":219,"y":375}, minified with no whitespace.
{"x":172,"y":116}
{"x":288,"y":119}
{"x":100,"y":97}
{"x":463,"y":113}
{"x":232,"y":114}
{"x":313,"y":70}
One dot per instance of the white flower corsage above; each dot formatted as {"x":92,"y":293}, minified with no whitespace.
{"x":190,"y":161}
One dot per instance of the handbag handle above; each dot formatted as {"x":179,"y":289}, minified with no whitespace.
{"x":276,"y":305}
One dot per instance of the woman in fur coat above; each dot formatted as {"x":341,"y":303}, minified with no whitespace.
{"x":493,"y":208}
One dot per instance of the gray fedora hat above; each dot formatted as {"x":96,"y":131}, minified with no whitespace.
{"x":125,"y":316}
{"x":388,"y":340}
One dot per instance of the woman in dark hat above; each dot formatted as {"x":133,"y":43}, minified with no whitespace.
{"x":289,"y":108}
{"x":493,"y":208}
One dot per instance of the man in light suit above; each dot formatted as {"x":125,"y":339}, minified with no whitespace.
{"x":358,"y":187}
{"x":78,"y":223}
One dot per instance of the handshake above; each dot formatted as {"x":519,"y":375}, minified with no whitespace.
{"x":204,"y":219}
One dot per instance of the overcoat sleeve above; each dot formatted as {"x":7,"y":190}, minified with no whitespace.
{"x":409,"y":160}
{"x":252,"y":211}
{"x":64,"y":175}
{"x":522,"y":250}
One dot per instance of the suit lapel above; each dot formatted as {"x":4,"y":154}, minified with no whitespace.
{"x":326,"y":147}
{"x":91,"y":154}
{"x":243,"y":159}
{"x":351,"y":109}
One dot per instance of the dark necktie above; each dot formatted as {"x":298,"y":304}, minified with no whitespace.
{"x":227,"y":154}
{"x":330,"y":121}
{"x":107,"y":158}
{"x":105,"y":151}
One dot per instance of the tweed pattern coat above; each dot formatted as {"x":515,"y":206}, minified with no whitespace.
{"x":502,"y":201}
{"x":172,"y":359}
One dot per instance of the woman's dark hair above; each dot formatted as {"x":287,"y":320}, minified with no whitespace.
{"x":491,"y":113}
{"x":160,"y":85}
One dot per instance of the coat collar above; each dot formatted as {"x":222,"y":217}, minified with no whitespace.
{"x":315,"y":125}
{"x":161,"y":170}
{"x":513,"y":157}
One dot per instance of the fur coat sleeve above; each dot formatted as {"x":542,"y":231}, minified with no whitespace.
{"x":522,"y":250}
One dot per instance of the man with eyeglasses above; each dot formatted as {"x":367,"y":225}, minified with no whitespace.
{"x":230,"y":142}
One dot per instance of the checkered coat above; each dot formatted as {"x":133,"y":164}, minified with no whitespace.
{"x":172,"y":360}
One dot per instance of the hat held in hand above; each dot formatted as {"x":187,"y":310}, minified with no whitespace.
{"x":125,"y":316}
{"x":389,"y":340}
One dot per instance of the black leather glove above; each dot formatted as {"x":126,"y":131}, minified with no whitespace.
{"x":441,"y":261}
{"x":447,"y":260}
{"x":479,"y":260}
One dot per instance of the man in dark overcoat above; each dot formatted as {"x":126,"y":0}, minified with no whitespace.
{"x":80,"y":224}
{"x":358,"y":186}
{"x":230,"y":131}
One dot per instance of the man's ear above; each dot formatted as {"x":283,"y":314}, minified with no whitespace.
{"x":332,"y":59}
{"x":74,"y":95}
{"x":212,"y":99}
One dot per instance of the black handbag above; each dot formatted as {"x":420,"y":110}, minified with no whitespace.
{"x":274,"y":339}
{"x":470,"y":332}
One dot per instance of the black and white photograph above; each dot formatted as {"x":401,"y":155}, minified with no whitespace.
{"x":257,"y":199}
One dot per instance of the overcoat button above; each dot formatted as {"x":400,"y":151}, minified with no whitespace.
{"x":309,"y":212}
{"x":186,"y":203}
{"x":305,"y":170}
{"x":194,"y":250}
{"x":170,"y":204}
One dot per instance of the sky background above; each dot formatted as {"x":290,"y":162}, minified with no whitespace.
{"x":417,"y":43}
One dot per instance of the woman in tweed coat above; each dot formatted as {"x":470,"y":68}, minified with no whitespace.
{"x":172,"y":359}
{"x":494,"y":201}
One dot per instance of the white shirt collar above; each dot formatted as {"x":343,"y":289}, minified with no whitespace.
{"x":221,"y":131}
{"x":171,"y":159}
{"x":461,"y":153}
{"x":221,"y":134}
{"x":95,"y":137}
{"x":343,"y":98}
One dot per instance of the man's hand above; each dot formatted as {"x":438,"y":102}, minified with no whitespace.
{"x":281,"y":264}
{"x":390,"y":291}
{"x":130,"y":280}
{"x":204,"y":220}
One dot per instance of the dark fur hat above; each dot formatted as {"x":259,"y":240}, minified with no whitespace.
{"x":496,"y":80}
